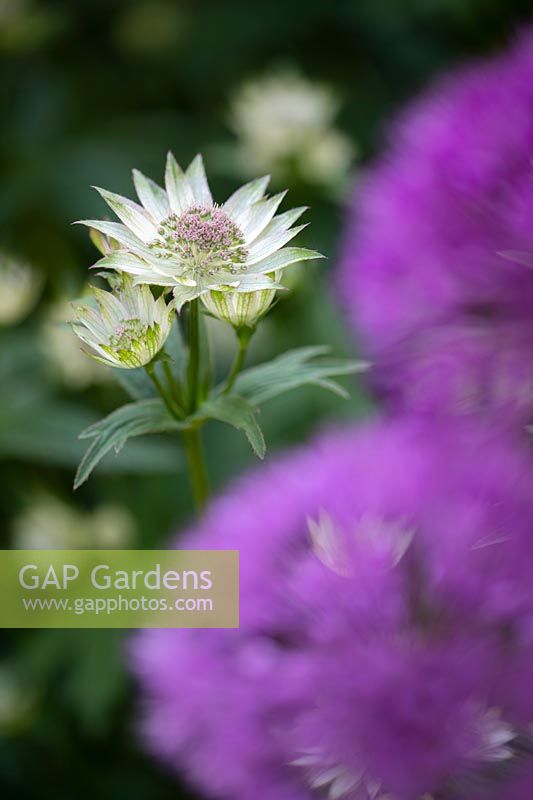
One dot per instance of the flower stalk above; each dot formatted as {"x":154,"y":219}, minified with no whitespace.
{"x":192,"y":437}
{"x":197,"y":468}
{"x":162,"y":391}
{"x":194,"y":355}
{"x":244,"y":336}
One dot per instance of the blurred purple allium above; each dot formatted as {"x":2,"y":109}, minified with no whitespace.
{"x":386,"y":639}
{"x":446,"y":319}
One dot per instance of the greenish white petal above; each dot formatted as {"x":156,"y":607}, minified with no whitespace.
{"x":237,"y":204}
{"x":132,"y":215}
{"x":116,"y":230}
{"x":179,"y":192}
{"x":184,"y":294}
{"x":259,"y":216}
{"x":283,"y":258}
{"x":267,"y":245}
{"x":152,"y":196}
{"x":198,"y":182}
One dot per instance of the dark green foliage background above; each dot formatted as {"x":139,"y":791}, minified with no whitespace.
{"x":88,"y":89}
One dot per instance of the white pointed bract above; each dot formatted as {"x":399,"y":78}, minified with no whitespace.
{"x":127,"y":328}
{"x":383,"y":540}
{"x":336,"y":782}
{"x":181,"y":240}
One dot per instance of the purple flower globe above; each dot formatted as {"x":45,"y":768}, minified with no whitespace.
{"x":386,"y":641}
{"x":422,"y":269}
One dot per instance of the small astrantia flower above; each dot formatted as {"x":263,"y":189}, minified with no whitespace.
{"x":126,"y":329}
{"x":50,"y":524}
{"x":284,"y":123}
{"x":240,"y":309}
{"x":181,"y":240}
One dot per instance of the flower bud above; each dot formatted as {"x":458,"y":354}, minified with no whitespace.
{"x":240,"y":309}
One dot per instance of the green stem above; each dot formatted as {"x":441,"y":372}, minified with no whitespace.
{"x":173,"y":383}
{"x":193,"y":367}
{"x":172,"y":408}
{"x":244,"y":335}
{"x":192,"y":437}
{"x":197,"y":468}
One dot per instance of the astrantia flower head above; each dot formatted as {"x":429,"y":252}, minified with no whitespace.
{"x":422,"y":268}
{"x":125,"y":328}
{"x":181,"y":240}
{"x":397,"y":663}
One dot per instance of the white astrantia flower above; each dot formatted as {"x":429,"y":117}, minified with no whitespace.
{"x":127,"y":328}
{"x":285,"y":121}
{"x":50,"y":524}
{"x":181,"y":240}
{"x":20,"y":287}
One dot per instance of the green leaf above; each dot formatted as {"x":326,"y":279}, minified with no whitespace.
{"x":136,"y":382}
{"x":44,"y":430}
{"x":112,"y":432}
{"x":304,"y":366}
{"x":240,"y":413}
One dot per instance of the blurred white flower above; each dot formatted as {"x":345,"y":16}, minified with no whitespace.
{"x":63,"y":353}
{"x":15,"y":701}
{"x":20,"y":288}
{"x":114,"y":527}
{"x":127,"y":329}
{"x":284,"y":122}
{"x":327,"y":160}
{"x":181,"y":240}
{"x":49,"y":524}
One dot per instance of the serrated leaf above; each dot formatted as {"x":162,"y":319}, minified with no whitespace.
{"x":239,"y":413}
{"x":112,"y":432}
{"x":41,"y":429}
{"x":300,"y":367}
